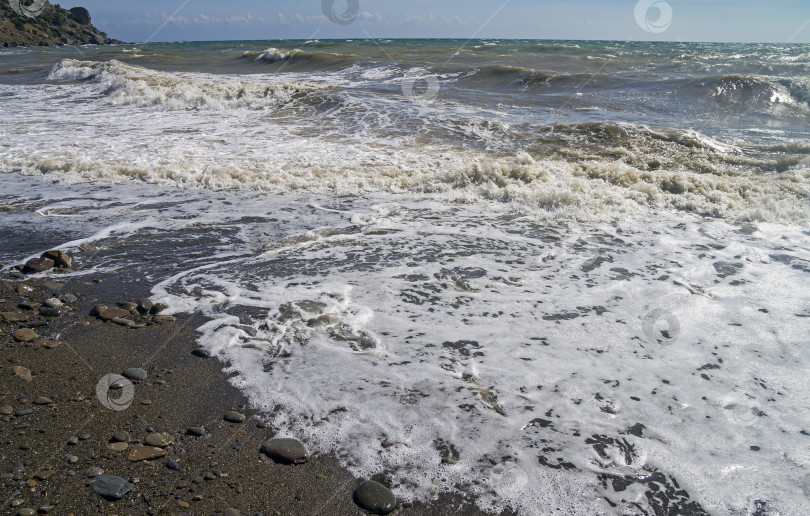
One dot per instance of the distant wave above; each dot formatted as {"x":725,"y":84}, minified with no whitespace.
{"x":314,"y":58}
{"x":134,"y":85}
{"x":500,"y":76}
{"x":734,"y":90}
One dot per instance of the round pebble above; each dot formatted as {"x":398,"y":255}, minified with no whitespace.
{"x":288,"y":451}
{"x":135,"y":373}
{"x":93,"y":472}
{"x":158,"y":439}
{"x":117,"y":447}
{"x":111,"y":487}
{"x":234,"y":417}
{"x":25,"y":335}
{"x":120,"y":437}
{"x":196,"y":431}
{"x":52,"y":303}
{"x":375,"y":498}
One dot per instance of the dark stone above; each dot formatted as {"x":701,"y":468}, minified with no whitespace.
{"x":111,"y":487}
{"x":202,"y":353}
{"x":35,"y":265}
{"x":286,"y":451}
{"x":59,"y":258}
{"x":375,"y":498}
{"x":81,"y":15}
{"x":196,"y":431}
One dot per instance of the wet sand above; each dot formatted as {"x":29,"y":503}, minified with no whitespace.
{"x":221,"y":470}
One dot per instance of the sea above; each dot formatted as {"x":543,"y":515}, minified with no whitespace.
{"x":554,"y":277}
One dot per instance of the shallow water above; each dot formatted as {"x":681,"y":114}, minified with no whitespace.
{"x":573,"y":279}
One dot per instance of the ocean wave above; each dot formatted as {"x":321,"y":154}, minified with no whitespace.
{"x":735,"y":90}
{"x":663,"y":169}
{"x":507,"y":76}
{"x":315,"y":58}
{"x":126,"y":84}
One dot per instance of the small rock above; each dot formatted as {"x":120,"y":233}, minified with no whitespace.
{"x":183,"y":504}
{"x":43,"y":400}
{"x":288,"y":451}
{"x":123,"y":322}
{"x":70,"y":298}
{"x":36,"y":265}
{"x":48,"y":343}
{"x":144,"y":306}
{"x":29,"y":305}
{"x":196,"y":431}
{"x":52,"y":303}
{"x":73,"y":441}
{"x":51,"y":312}
{"x":164,"y":318}
{"x":111,"y":487}
{"x":120,"y":437}
{"x":117,"y":447}
{"x":128,"y":306}
{"x":25,"y":335}
{"x":173,"y":465}
{"x":45,"y":509}
{"x":26,"y":512}
{"x":23,"y":372}
{"x":22,"y":412}
{"x":108,"y":314}
{"x":138,"y":453}
{"x":201,"y":352}
{"x":14,"y":317}
{"x":59,"y":258}
{"x":72,"y":459}
{"x":158,"y":439}
{"x":375,"y":498}
{"x":7,"y":410}
{"x":45,"y":474}
{"x":157,"y":308}
{"x":24,"y":289}
{"x":93,"y":472}
{"x":234,"y":417}
{"x":135,"y":373}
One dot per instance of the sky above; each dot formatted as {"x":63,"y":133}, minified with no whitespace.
{"x":774,"y":21}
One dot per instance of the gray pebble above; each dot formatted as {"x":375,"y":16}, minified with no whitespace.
{"x":234,"y":417}
{"x":120,"y":437}
{"x":93,"y":472}
{"x":196,"y":431}
{"x":288,"y":451}
{"x":135,"y":373}
{"x":111,"y":487}
{"x":375,"y":498}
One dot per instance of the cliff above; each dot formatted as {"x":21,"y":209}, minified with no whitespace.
{"x":39,"y":23}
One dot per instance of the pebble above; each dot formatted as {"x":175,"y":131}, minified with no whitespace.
{"x":7,"y":410}
{"x":26,"y":512}
{"x":14,"y":317}
{"x":29,"y":305}
{"x":117,"y":447}
{"x":23,"y":372}
{"x":59,"y":258}
{"x":52,"y":302}
{"x":135,"y":373}
{"x":35,"y":265}
{"x":158,"y":439}
{"x":375,"y":498}
{"x":111,"y":487}
{"x":23,"y":412}
{"x":138,"y":453}
{"x":51,"y":312}
{"x":234,"y":417}
{"x":93,"y":472}
{"x":25,"y":335}
{"x":130,"y":307}
{"x":196,"y":431}
{"x":69,"y":298}
{"x":120,"y":437}
{"x":109,"y":314}
{"x":84,"y":437}
{"x":123,"y":322}
{"x":72,"y":459}
{"x":73,"y":441}
{"x":43,"y":400}
{"x":201,"y":352}
{"x":45,"y":474}
{"x":164,"y":318}
{"x":144,"y":305}
{"x":24,"y":289}
{"x":288,"y":451}
{"x":50,"y":344}
{"x":157,"y":308}
{"x":183,"y":504}
{"x":173,"y":465}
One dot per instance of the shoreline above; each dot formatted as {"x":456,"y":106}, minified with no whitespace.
{"x":50,"y":450}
